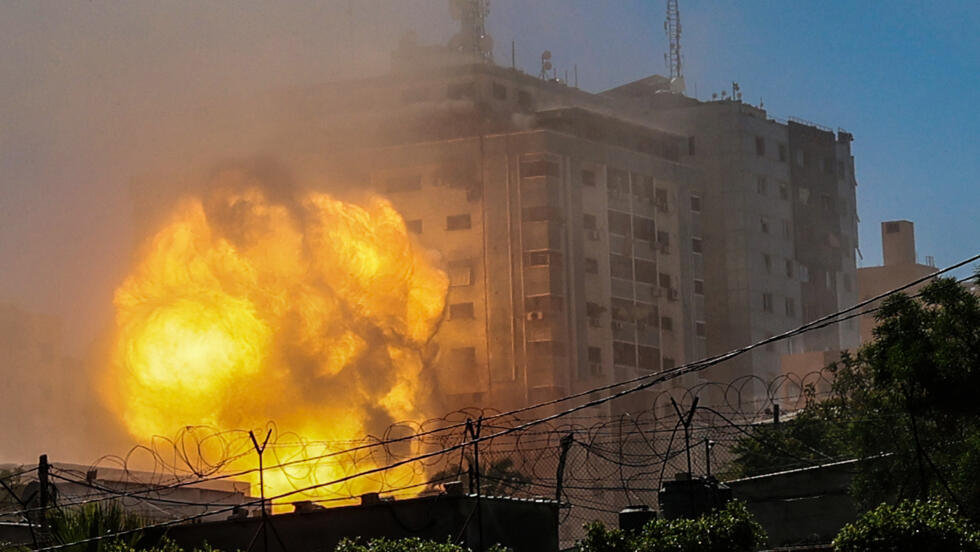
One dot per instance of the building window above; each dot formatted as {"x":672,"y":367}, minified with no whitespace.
{"x":825,"y":202}
{"x":787,"y":229}
{"x":760,"y":146}
{"x":660,"y":198}
{"x":463,"y":356}
{"x":644,"y":229}
{"x":790,"y":307}
{"x":800,"y":158}
{"x":696,"y":245}
{"x":764,"y":225}
{"x":664,"y":280}
{"x":591,"y":266}
{"x":414,"y":226}
{"x":588,"y":221}
{"x":460,"y":273}
{"x":620,"y":267}
{"x":761,"y":185}
{"x":667,"y":323}
{"x":698,"y":287}
{"x":624,"y":354}
{"x":524,"y":99}
{"x":542,"y":258}
{"x":782,"y":152}
{"x":499,"y":91}
{"x":619,"y":223}
{"x":804,"y":273}
{"x":783,"y":191}
{"x":595,"y":355}
{"x":457,"y":222}
{"x":588,"y":178}
{"x":789,"y":268}
{"x":541,"y":213}
{"x":617,"y":183}
{"x":539,"y":167}
{"x":767,"y":302}
{"x":767,"y":262}
{"x":649,"y":357}
{"x":403,"y":183}
{"x":669,"y":363}
{"x":696,"y":204}
{"x":593,"y":310}
{"x":461,"y":311}
{"x":645,"y":271}
{"x":699,"y":329}
{"x":663,"y":240}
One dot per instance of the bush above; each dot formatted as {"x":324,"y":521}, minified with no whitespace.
{"x":731,"y":529}
{"x":405,"y":545}
{"x":913,"y":525}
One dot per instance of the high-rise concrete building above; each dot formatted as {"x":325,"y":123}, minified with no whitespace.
{"x":592,"y":238}
{"x":571,"y":232}
{"x":781,"y":222}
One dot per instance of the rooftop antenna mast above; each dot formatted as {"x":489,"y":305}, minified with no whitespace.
{"x":672,"y":27}
{"x":472,"y":38}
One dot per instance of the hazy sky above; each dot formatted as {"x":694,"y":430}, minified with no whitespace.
{"x":96,"y":94}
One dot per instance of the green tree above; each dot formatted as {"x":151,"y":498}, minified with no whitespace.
{"x":911,"y":526}
{"x":731,"y":529}
{"x":69,"y":525}
{"x":904,"y":402}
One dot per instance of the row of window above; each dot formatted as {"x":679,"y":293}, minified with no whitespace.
{"x":765,"y":226}
{"x":762,"y":187}
{"x":453,"y":222}
{"x":789,"y":305}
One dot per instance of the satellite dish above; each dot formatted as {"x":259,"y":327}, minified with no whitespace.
{"x":546,"y":54}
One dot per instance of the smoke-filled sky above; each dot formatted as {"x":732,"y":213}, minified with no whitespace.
{"x":96,"y":96}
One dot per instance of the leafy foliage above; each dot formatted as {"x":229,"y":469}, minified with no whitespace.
{"x":731,"y":529}
{"x":94,"y":520}
{"x":405,"y":545}
{"x":911,"y":526}
{"x":906,"y":402}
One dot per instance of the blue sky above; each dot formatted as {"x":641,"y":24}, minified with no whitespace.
{"x":903,"y":77}
{"x":96,"y":95}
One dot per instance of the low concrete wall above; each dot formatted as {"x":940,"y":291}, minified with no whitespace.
{"x":522,"y":525}
{"x":804,"y":506}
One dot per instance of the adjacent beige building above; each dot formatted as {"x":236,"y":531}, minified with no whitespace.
{"x":899,"y":268}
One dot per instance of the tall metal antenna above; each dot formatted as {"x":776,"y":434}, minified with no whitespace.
{"x":472,"y":38}
{"x":672,"y":27}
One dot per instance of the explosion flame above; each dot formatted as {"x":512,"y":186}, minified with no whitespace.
{"x":252,"y":306}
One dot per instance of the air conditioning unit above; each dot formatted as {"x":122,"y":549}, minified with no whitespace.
{"x":592,"y":235}
{"x":673,"y":295}
{"x":617,"y":325}
{"x":641,"y":325}
{"x":535,"y":315}
{"x":664,"y":248}
{"x":661,"y":205}
{"x":595,"y":367}
{"x":595,"y":322}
